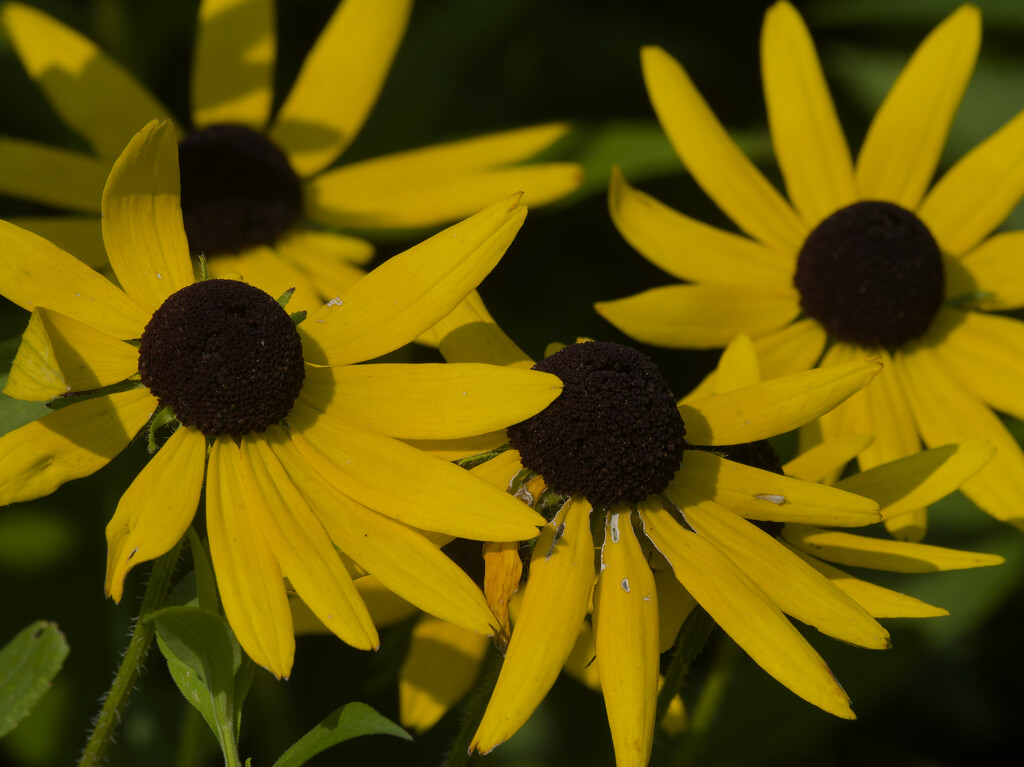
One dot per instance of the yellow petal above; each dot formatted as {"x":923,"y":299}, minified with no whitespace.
{"x":93,"y":94}
{"x":773,"y":407}
{"x":878,"y":601}
{"x":453,"y":449}
{"x":808,"y":139}
{"x":157,"y":508}
{"x":261,"y":267}
{"x":400,"y":558}
{"x":500,"y":470}
{"x":626,"y":628}
{"x":829,"y":457}
{"x":470,"y":334}
{"x":991,"y":273}
{"x":792,"y":349}
{"x":986,"y":354}
{"x":431,"y":401}
{"x":233,"y":63}
{"x":682,"y":245}
{"x":397,"y":480}
{"x":339,"y":82}
{"x":441,"y":667}
{"x":554,"y":606}
{"x":410,"y":292}
{"x":332,"y":261}
{"x":44,"y":275}
{"x":902,"y":148}
{"x":80,"y":235}
{"x":302,"y":547}
{"x":502,"y":570}
{"x":978,"y":193}
{"x":718,"y":165}
{"x":81,"y":356}
{"x":580,"y":664}
{"x":700,"y":316}
{"x":945,"y":413}
{"x":798,"y":589}
{"x":737,"y":368}
{"x":142,"y":226}
{"x":249,"y":578}
{"x":758,"y":494}
{"x":675,"y":604}
{"x":745,"y":613}
{"x":53,"y":176}
{"x":883,"y":553}
{"x":70,"y":443}
{"x":921,"y":479}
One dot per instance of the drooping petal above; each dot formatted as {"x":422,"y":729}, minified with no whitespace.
{"x":798,"y":589}
{"x":904,"y":143}
{"x":442,"y":665}
{"x":808,"y":139}
{"x":58,"y":352}
{"x":719,"y":166}
{"x":792,"y":349}
{"x":818,"y":462}
{"x":94,"y":95}
{"x":989,"y":274}
{"x":758,"y":494}
{"x":44,"y":275}
{"x":394,"y":479}
{"x":985,"y":353}
{"x":554,"y":606}
{"x":882,"y":553}
{"x":233,"y":63}
{"x":73,"y":442}
{"x":249,"y":578}
{"x":700,"y":316}
{"x":410,"y":292}
{"x":302,"y":547}
{"x":920,"y":479}
{"x":772,"y":407}
{"x":503,"y":569}
{"x":745,"y":613}
{"x":878,"y":601}
{"x":431,"y":401}
{"x":626,"y":629}
{"x":945,"y":413}
{"x":681,"y":245}
{"x":978,"y":193}
{"x":80,"y":235}
{"x":157,"y":508}
{"x":53,"y":176}
{"x":142,"y":225}
{"x":402,"y":559}
{"x":339,"y":82}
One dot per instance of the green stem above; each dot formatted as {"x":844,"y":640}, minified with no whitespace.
{"x":116,"y":699}
{"x":691,"y":640}
{"x":708,"y":704}
{"x":473,"y":713}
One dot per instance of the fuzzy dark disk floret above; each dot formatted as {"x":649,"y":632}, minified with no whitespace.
{"x":237,"y":190}
{"x":224,"y":356}
{"x":872,"y":275}
{"x":614,"y":434}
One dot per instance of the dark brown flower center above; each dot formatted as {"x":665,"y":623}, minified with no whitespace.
{"x":872,"y":275}
{"x":237,"y":190}
{"x":614,"y":434}
{"x":224,"y":356}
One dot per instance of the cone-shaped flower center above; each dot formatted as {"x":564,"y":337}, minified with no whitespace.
{"x":237,"y":190}
{"x":872,"y":275}
{"x":614,"y":434}
{"x":224,"y":356}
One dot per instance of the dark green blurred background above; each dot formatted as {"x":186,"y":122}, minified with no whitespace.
{"x":950,"y":692}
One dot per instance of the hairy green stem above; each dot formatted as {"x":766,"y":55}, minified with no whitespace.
{"x":116,"y":699}
{"x":473,"y":713}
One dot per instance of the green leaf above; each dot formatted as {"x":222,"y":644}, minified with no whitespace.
{"x":204,"y":658}
{"x":206,"y":585}
{"x":349,"y":721}
{"x":28,"y":664}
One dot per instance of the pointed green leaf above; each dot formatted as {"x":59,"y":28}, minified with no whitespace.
{"x":28,"y":664}
{"x":349,"y":721}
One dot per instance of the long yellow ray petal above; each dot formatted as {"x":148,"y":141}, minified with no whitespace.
{"x":816,"y":463}
{"x":989,"y":275}
{"x":77,"y":234}
{"x":53,"y":176}
{"x":792,"y":349}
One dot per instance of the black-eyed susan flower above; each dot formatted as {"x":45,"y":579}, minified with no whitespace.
{"x":868,"y":257}
{"x":259,"y":195}
{"x":656,"y":506}
{"x":299,"y":445}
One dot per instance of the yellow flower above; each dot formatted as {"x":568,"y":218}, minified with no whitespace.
{"x":706,"y":531}
{"x":258,"y":192}
{"x":300,"y":446}
{"x":863,"y":255}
